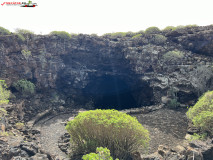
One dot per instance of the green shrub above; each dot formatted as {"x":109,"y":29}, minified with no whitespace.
{"x":173,"y":55}
{"x":61,"y":34}
{"x":172,"y":94}
{"x":201,"y":113}
{"x":23,"y":34}
{"x":152,"y":30}
{"x":196,"y":136}
{"x":116,"y":34}
{"x":4,"y":93}
{"x":26,"y":54}
{"x":117,"y":131}
{"x":4,"y":31}
{"x":101,"y":154}
{"x":180,"y":28}
{"x":137,"y":36}
{"x":159,"y":39}
{"x":20,"y":37}
{"x":130,"y":34}
{"x":19,"y":125}
{"x":191,"y":25}
{"x":25,"y":87}
{"x":23,"y":31}
{"x":169,"y":28}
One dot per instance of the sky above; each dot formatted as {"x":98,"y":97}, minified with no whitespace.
{"x":104,"y":16}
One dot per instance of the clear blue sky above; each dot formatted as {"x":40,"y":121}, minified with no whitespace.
{"x":103,"y":16}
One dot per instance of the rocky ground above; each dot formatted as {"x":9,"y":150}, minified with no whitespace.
{"x":166,"y":127}
{"x":45,"y":137}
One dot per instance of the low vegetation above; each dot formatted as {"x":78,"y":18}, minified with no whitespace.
{"x":19,"y":125}
{"x":23,"y":31}
{"x":130,"y":34}
{"x":4,"y":31}
{"x":169,"y":28}
{"x":137,"y":36}
{"x":20,"y":37}
{"x":191,"y":25}
{"x":173,"y":55}
{"x":201,"y":114}
{"x":196,"y":136}
{"x":116,"y":34}
{"x":4,"y":93}
{"x":159,"y":39}
{"x":61,"y":34}
{"x":4,"y":96}
{"x":101,"y":154}
{"x":152,"y":30}
{"x":23,"y":34}
{"x":172,"y":28}
{"x":173,"y":102}
{"x":119,"y":132}
{"x":25,"y":87}
{"x":26,"y":54}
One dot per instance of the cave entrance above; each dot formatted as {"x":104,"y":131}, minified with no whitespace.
{"x":109,"y":92}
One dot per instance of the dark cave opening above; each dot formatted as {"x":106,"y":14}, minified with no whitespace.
{"x":113,"y":92}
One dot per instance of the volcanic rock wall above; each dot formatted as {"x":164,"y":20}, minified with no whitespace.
{"x":99,"y":69}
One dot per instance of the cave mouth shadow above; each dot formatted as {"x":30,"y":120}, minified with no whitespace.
{"x":114,"y":92}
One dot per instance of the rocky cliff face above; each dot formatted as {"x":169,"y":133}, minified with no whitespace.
{"x":123,"y":72}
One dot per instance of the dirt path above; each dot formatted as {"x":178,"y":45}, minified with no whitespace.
{"x":166,"y":127}
{"x":51,"y":130}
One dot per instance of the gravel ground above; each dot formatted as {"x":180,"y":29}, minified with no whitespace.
{"x":166,"y":127}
